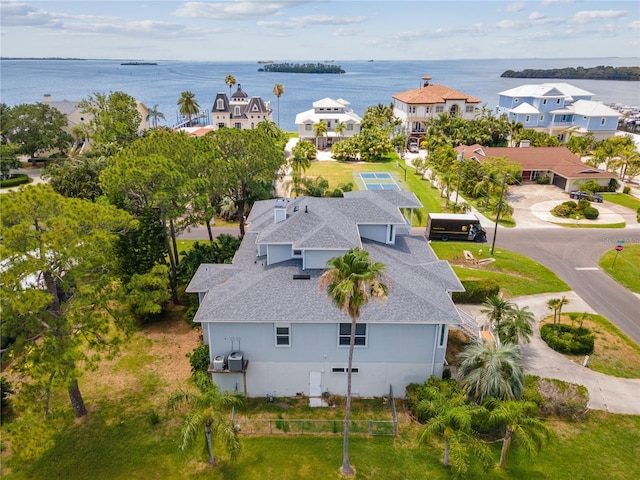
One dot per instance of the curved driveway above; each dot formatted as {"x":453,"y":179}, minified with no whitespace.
{"x":573,"y":253}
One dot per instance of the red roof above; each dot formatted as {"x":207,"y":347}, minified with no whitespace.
{"x":433,"y":94}
{"x":559,"y":160}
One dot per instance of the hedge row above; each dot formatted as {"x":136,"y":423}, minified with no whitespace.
{"x":15,"y":180}
{"x":567,"y":339}
{"x":477,"y":291}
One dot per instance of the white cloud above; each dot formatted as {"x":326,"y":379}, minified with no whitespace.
{"x":547,"y":3}
{"x":326,"y":20}
{"x":345,"y":32}
{"x":535,"y":16}
{"x":516,"y":7}
{"x":234,"y":10}
{"x":635,"y":24}
{"x":588,"y":16}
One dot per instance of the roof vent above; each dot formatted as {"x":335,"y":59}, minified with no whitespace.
{"x":302,"y":277}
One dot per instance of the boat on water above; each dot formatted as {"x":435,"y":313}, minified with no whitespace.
{"x":139,"y":63}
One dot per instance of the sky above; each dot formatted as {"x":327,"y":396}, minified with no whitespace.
{"x":289,"y":30}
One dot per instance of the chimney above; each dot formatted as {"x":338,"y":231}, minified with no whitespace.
{"x":425,"y":80}
{"x":280,"y":210}
{"x":47,"y":98}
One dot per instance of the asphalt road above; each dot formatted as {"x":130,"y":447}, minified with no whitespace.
{"x":573,"y":255}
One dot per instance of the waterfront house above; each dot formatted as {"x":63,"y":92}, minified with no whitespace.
{"x":333,"y":113}
{"x":272,"y":331}
{"x":559,"y":109}
{"x":414,"y":107}
{"x":564,"y":169}
{"x":239,"y":111}
{"x":75,"y":117}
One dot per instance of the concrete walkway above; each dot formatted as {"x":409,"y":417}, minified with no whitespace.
{"x":611,"y":394}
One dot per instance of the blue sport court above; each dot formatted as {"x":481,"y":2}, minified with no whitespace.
{"x":378,"y":181}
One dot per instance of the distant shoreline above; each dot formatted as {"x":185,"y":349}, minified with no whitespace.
{"x":629,"y":74}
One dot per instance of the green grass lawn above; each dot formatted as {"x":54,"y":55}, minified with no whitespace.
{"x":625,"y":269}
{"x":337,"y":173}
{"x":516,"y":274}
{"x":623,"y":199}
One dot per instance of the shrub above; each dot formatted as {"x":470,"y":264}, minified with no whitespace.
{"x":570,"y":204}
{"x":476,"y":291}
{"x":543,"y":180}
{"x":556,"y":397}
{"x":583,"y":203}
{"x":6,"y":390}
{"x":626,"y":189}
{"x":591,"y":213}
{"x":568,"y":339}
{"x":199,"y":359}
{"x":15,"y":180}
{"x":562,"y":210}
{"x":638,"y":215}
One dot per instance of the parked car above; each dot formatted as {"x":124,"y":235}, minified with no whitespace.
{"x":578,"y":195}
{"x":413,"y":147}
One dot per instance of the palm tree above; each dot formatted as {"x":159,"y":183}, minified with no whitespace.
{"x":278,"y":90}
{"x":154,"y":114}
{"x":515,"y":130}
{"x":452,"y":419}
{"x":300,"y":162}
{"x":340,"y":128}
{"x":206,"y":412}
{"x":553,"y":304}
{"x":188,"y":104}
{"x":496,"y":309}
{"x":489,"y":371}
{"x":520,"y":425}
{"x":351,"y":281}
{"x":563,"y":301}
{"x":320,"y":130}
{"x":517,"y":325}
{"x":231,"y":81}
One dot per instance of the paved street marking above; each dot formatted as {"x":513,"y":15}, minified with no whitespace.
{"x":587,"y":268}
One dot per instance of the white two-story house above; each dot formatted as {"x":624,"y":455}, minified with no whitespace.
{"x":559,"y":109}
{"x":416,"y":106}
{"x":333,"y":113}
{"x":271,"y":330}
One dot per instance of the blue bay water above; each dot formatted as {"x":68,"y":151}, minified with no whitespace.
{"x":365,"y":83}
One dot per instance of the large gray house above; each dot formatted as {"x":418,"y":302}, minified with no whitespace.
{"x":272,"y":331}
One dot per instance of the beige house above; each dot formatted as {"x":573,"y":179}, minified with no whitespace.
{"x":564,"y":169}
{"x":76,"y":117}
{"x":414,"y":107}
{"x":241,"y":111}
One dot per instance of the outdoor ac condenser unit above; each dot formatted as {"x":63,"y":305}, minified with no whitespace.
{"x":218,"y":362}
{"x":235,"y":361}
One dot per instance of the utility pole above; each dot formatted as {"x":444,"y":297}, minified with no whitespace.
{"x":495,"y":231}
{"x":460,"y":158}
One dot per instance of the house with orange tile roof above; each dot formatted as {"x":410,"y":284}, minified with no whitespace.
{"x":415,"y":106}
{"x":564,"y":169}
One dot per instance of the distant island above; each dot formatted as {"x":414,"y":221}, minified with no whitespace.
{"x":590,"y":73}
{"x":301,"y":68}
{"x":139,"y":63}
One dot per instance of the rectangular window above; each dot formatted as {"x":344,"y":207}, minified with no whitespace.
{"x":544,"y":102}
{"x":344,"y":370}
{"x":283,"y":334}
{"x":238,"y":125}
{"x":345,"y":332}
{"x":526,"y":119}
{"x":307,"y":127}
{"x":439,"y":108}
{"x":443,"y":335}
{"x":541,"y":118}
{"x":350,"y":127}
{"x":469,"y":109}
{"x":603,"y":121}
{"x":412,"y":109}
{"x":557,"y":101}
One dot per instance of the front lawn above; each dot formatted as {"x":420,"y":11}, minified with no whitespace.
{"x":625,"y":269}
{"x":623,"y":199}
{"x":516,"y":274}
